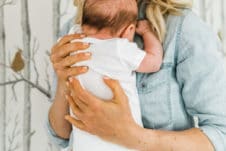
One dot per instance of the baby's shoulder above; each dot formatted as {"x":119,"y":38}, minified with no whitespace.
{"x":124,"y":43}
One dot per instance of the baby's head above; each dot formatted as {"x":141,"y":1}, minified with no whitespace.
{"x":115,"y":17}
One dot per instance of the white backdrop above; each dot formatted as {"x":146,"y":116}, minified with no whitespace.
{"x":19,"y":132}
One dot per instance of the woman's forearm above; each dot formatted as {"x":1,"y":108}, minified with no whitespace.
{"x":158,"y":140}
{"x":57,"y":112}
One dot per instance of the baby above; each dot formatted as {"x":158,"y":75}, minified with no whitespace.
{"x":110,"y":26}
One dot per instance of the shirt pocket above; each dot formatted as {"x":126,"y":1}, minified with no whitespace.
{"x":154,"y":94}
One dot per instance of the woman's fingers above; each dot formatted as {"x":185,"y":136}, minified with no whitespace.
{"x":72,"y":71}
{"x":83,"y":95}
{"x":74,"y":106}
{"x":66,"y":49}
{"x":77,"y":123}
{"x":82,"y":106}
{"x":71,"y":60}
{"x":69,"y":38}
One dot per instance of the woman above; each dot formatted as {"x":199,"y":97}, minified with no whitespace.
{"x":191,"y":83}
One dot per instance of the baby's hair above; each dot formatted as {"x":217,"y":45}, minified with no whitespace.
{"x":156,"y":12}
{"x":111,"y":14}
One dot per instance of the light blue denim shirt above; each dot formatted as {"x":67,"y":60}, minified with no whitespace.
{"x":191,"y":83}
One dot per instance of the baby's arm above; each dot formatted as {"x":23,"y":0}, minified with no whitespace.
{"x":153,"y":48}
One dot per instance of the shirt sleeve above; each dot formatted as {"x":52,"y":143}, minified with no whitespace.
{"x":201,"y":73}
{"x":58,"y":141}
{"x":130,"y":55}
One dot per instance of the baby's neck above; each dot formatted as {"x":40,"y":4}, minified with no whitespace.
{"x":99,"y":34}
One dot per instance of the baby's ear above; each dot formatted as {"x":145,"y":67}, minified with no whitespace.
{"x":129,"y":32}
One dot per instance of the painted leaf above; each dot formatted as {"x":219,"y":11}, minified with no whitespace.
{"x":18,"y":62}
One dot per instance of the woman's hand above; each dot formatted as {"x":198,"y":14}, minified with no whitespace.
{"x":110,"y":120}
{"x":62,"y":60}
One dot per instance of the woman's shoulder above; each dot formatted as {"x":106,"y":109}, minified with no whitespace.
{"x":188,"y":23}
{"x":193,"y":35}
{"x":194,"y":28}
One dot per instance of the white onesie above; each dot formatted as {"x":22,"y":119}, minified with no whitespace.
{"x":118,"y":59}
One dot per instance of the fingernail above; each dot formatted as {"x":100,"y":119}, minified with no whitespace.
{"x":67,"y":84}
{"x":71,"y":79}
{"x":88,"y":54}
{"x":86,"y":44}
{"x":66,"y":96}
{"x":106,"y":77}
{"x":84,"y":69}
{"x":83,"y":35}
{"x":71,"y":94}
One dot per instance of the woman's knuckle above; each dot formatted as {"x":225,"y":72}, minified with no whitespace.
{"x":96,"y":107}
{"x":75,"y":46}
{"x":87,"y":117}
{"x":79,"y":115}
{"x":60,"y":73}
{"x":80,"y":55}
{"x":75,"y":58}
{"x":81,"y":94}
{"x":52,"y":58}
{"x":66,"y":37}
{"x":69,"y":71}
{"x":54,"y":48}
{"x":68,"y":60}
{"x":55,"y":66}
{"x":61,"y":53}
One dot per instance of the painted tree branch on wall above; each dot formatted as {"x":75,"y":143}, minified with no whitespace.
{"x":14,"y":144}
{"x":223,"y":24}
{"x":26,"y":35}
{"x":202,"y":5}
{"x":56,"y":19}
{"x":6,"y":2}
{"x":2,"y":79}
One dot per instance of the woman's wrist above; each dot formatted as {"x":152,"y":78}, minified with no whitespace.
{"x":59,"y":125}
{"x":61,"y":88}
{"x":137,"y":137}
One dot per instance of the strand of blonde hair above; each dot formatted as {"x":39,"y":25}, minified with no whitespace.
{"x":79,"y":4}
{"x":157,"y":10}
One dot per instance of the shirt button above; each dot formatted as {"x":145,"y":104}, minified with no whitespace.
{"x":143,"y":85}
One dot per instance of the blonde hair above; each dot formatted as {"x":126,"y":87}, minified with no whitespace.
{"x":79,"y":4}
{"x":156,"y":12}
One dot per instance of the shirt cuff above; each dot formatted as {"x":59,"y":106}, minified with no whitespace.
{"x":138,"y":60}
{"x":216,"y":137}
{"x":60,"y":142}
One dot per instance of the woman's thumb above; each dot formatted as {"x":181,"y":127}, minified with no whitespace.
{"x":118,"y":92}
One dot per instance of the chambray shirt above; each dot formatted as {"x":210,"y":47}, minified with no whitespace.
{"x":191,"y":83}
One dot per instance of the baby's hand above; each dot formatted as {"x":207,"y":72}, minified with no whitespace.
{"x":143,"y":27}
